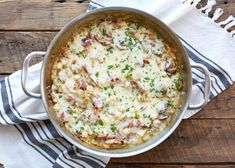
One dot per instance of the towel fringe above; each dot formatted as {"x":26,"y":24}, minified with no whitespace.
{"x":232,"y":33}
{"x":191,"y":2}
{"x":208,"y":7}
{"x":218,"y":12}
{"x":225,"y":24}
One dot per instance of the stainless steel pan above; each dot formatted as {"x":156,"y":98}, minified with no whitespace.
{"x":131,"y":14}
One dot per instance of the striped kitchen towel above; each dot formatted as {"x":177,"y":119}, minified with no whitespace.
{"x":25,"y":130}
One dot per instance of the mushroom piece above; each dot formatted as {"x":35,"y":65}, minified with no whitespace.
{"x":86,"y":42}
{"x":170,"y":69}
{"x":97,"y":102}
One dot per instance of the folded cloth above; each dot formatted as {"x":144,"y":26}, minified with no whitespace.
{"x":25,"y":130}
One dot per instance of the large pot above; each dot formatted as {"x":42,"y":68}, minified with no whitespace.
{"x":63,"y":36}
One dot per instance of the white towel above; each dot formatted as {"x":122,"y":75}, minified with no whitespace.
{"x":25,"y":130}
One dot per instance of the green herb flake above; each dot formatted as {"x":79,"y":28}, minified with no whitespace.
{"x":105,"y":88}
{"x":110,"y":66}
{"x":147,"y":78}
{"x":70,"y":111}
{"x":60,"y":96}
{"x":97,"y":74}
{"x":110,"y":49}
{"x":129,"y":76}
{"x":82,"y":128}
{"x":136,"y":115}
{"x":113,"y":127}
{"x":158,"y":35}
{"x":117,"y":65}
{"x":145,"y":115}
{"x":100,"y":122}
{"x":103,"y":32}
{"x":112,"y":86}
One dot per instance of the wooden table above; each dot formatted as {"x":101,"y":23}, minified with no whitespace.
{"x":205,"y":140}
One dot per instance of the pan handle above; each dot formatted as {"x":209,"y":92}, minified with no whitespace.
{"x":24,"y":73}
{"x":207,"y":87}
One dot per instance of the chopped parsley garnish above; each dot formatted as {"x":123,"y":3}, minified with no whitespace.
{"x":112,"y":86}
{"x":136,"y":115}
{"x":60,"y":96}
{"x":70,"y":111}
{"x":117,"y":65}
{"x":113,"y":127}
{"x":127,"y":68}
{"x":103,"y":31}
{"x":178,"y":83}
{"x":97,"y":74}
{"x":158,"y":35}
{"x":82,"y":128}
{"x":100,"y":122}
{"x":129,"y":76}
{"x":145,"y":115}
{"x":137,"y":25}
{"x":110,"y":66}
{"x":106,"y":88}
{"x":146,"y":78}
{"x":81,"y":54}
{"x":142,"y":108}
{"x":131,"y":43}
{"x":151,"y":83}
{"x":110,"y":49}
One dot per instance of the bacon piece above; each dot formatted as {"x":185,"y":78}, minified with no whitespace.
{"x":136,"y":84}
{"x":101,"y":137}
{"x":133,"y":82}
{"x":83,"y":86}
{"x":116,"y":79}
{"x":145,"y":61}
{"x":139,"y":124}
{"x":130,"y":124}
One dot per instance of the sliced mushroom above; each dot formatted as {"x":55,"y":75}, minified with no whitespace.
{"x":86,"y":42}
{"x":170,"y":69}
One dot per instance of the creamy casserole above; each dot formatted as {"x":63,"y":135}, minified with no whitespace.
{"x":116,"y":85}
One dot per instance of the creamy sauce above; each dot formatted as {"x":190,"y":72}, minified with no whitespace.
{"x":116,"y":85}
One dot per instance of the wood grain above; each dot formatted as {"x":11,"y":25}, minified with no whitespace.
{"x":38,"y":15}
{"x":128,"y":165}
{"x":205,"y":140}
{"x":14,"y":47}
{"x":194,"y":141}
{"x":53,"y":14}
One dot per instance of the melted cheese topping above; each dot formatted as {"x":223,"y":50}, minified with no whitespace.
{"x":116,"y":85}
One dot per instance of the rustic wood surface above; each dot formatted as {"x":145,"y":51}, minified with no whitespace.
{"x":205,"y":140}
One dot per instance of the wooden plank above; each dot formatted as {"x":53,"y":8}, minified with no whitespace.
{"x":194,"y":141}
{"x":14,"y":46}
{"x":53,"y":14}
{"x":38,"y":15}
{"x":127,"y":165}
